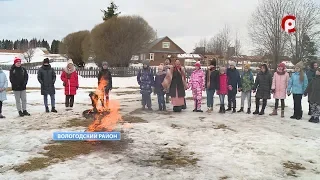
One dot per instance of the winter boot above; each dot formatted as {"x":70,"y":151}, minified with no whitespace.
{"x":241,"y":110}
{"x":220,"y":110}
{"x":316,"y":120}
{"x":229,"y":107}
{"x":249,"y":111}
{"x":199,"y":110}
{"x":299,"y":115}
{"x":150,"y":109}
{"x":256,"y":111}
{"x":274,"y":113}
{"x":234,"y":110}
{"x":47,"y":109}
{"x":2,"y":116}
{"x":223,"y":109}
{"x":209,"y":110}
{"x":311,"y":119}
{"x":164,"y":107}
{"x":54,"y":110}
{"x":261,"y":112}
{"x":282,"y":113}
{"x":160,"y":107}
{"x":21,"y":114}
{"x":25,"y":112}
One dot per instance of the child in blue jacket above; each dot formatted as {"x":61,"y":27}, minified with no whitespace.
{"x":158,"y":88}
{"x":297,"y":85}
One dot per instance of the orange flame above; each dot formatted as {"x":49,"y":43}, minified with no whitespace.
{"x":109,"y":121}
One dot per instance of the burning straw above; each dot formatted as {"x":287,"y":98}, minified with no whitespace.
{"x":105,"y":113}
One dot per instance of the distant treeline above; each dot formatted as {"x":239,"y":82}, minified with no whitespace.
{"x":25,"y":44}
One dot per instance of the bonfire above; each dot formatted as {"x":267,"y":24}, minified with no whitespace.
{"x":105,"y":114}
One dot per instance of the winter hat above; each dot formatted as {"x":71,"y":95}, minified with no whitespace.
{"x":17,"y":60}
{"x":247,"y":66}
{"x":105,"y":63}
{"x":282,"y":65}
{"x":46,"y":61}
{"x":232,"y":63}
{"x":70,"y":61}
{"x":299,"y":65}
{"x":145,"y":62}
{"x":197,"y":64}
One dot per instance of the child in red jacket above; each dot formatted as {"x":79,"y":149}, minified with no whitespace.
{"x":70,"y":81}
{"x":223,"y":88}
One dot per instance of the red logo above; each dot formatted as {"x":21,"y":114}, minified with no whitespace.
{"x":288,"y":23}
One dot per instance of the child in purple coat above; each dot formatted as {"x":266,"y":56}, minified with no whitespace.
{"x":158,"y":89}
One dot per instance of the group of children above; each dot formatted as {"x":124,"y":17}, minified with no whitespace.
{"x":228,"y":81}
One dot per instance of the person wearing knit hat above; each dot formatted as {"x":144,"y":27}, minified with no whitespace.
{"x":196,"y":83}
{"x":19,"y":80}
{"x":211,"y":83}
{"x":297,"y":85}
{"x":234,"y":83}
{"x":47,"y":79}
{"x":279,"y":88}
{"x":158,"y":88}
{"x":69,"y":77}
{"x":311,"y":73}
{"x":105,"y":78}
{"x":145,"y":79}
{"x":246,"y":85}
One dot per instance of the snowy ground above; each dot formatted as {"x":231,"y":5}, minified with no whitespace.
{"x":230,"y":146}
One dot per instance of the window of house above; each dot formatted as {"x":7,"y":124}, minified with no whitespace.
{"x":151,"y":56}
{"x":166,"y":45}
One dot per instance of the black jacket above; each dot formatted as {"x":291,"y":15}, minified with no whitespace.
{"x":214,"y":80}
{"x":47,"y":78}
{"x":263,"y":85}
{"x":106,"y":75}
{"x":18,"y":78}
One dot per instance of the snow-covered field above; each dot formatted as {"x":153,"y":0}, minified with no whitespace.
{"x":229,"y":146}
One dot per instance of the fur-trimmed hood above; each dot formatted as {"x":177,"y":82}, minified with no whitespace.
{"x":69,"y":71}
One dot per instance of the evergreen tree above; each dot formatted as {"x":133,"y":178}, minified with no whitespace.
{"x":111,"y":12}
{"x":16,"y":44}
{"x":55,"y":46}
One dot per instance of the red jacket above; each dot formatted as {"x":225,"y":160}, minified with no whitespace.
{"x":223,"y":90}
{"x":70,"y":81}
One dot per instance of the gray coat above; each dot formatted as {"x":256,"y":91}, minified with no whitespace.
{"x":313,"y":90}
{"x":47,"y":78}
{"x":263,"y":85}
{"x":3,"y":84}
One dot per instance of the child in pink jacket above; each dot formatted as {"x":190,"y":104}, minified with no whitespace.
{"x":223,"y":88}
{"x":279,"y":88}
{"x":196,"y":83}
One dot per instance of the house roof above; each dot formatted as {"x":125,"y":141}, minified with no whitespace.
{"x":155,"y":42}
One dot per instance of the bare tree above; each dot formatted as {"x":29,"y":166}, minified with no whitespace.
{"x":265,"y":28}
{"x":237,"y":46}
{"x":307,"y":26}
{"x":28,"y":55}
{"x":72,"y":46}
{"x":117,"y":39}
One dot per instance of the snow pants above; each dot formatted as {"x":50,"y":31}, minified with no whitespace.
{"x":197,"y":97}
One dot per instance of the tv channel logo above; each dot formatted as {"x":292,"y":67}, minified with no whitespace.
{"x":288,"y":24}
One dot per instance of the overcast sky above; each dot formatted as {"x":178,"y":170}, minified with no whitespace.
{"x":184,"y":21}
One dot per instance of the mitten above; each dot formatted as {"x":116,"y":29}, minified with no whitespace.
{"x":289,"y":93}
{"x":239,"y":89}
{"x":254,"y":91}
{"x":64,"y":84}
{"x":273,"y":91}
{"x":305,"y":94}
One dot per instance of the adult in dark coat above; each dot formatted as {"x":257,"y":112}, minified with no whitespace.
{"x":105,"y":80}
{"x":211,"y":83}
{"x":314,"y":96}
{"x":311,"y":73}
{"x":47,"y":78}
{"x":175,"y":83}
{"x":19,"y":80}
{"x":262,"y":86}
{"x":234,"y":82}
